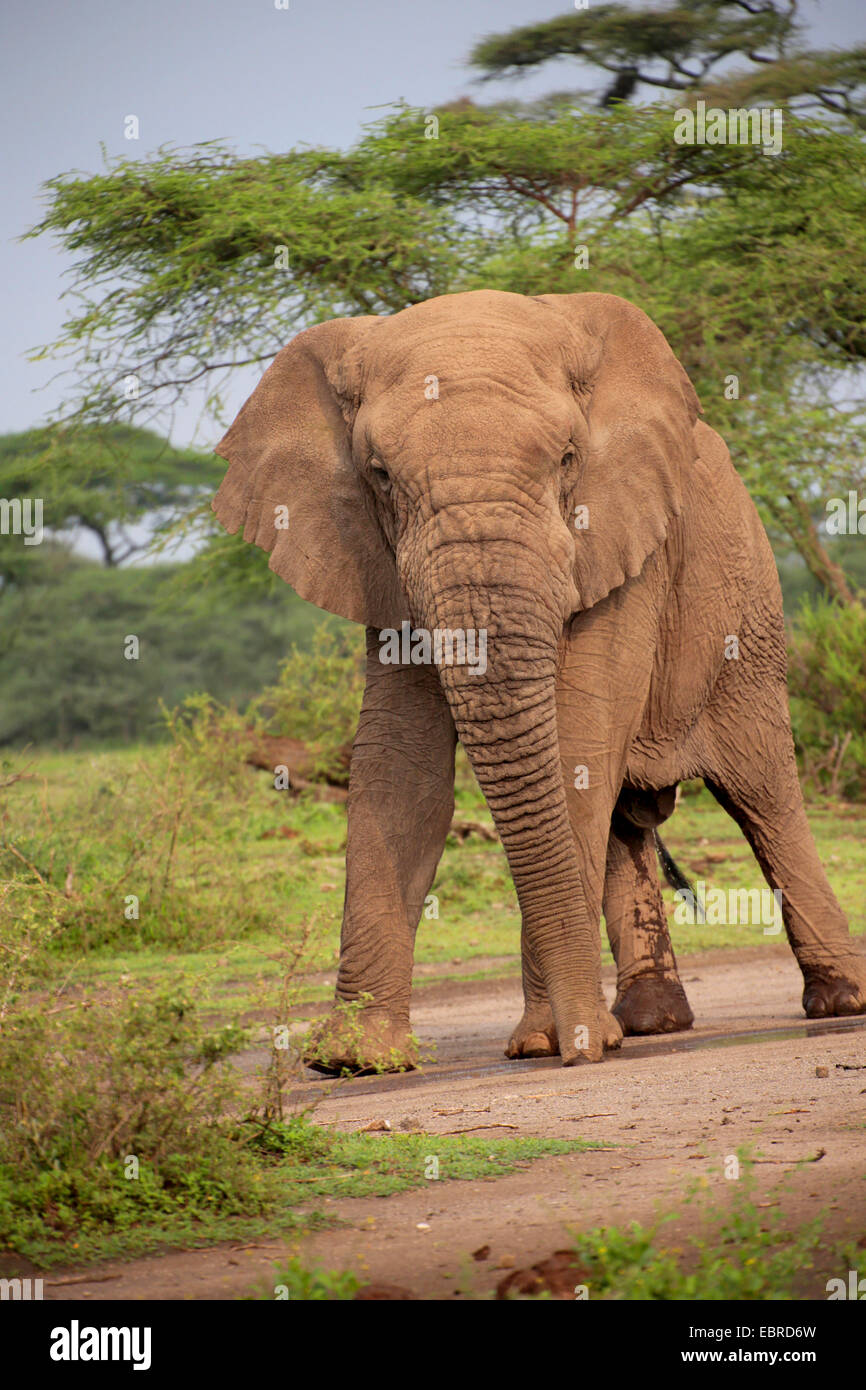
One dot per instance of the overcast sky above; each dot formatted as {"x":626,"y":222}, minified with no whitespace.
{"x":240,"y":71}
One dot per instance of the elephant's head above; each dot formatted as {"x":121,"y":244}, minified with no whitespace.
{"x":485,"y":463}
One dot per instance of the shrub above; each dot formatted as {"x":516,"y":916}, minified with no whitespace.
{"x":317,"y":698}
{"x":298,"y":1282}
{"x":138,"y":856}
{"x":741,"y":1253}
{"x":827,"y":683}
{"x":122,"y":1112}
{"x":116,"y":1107}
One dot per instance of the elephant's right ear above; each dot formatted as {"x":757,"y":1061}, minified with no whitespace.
{"x":292,"y":484}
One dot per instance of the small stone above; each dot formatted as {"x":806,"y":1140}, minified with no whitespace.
{"x":422,"y":1225}
{"x":482,"y":1253}
{"x":374,"y":1127}
{"x":506,"y":1262}
{"x":822,"y":1071}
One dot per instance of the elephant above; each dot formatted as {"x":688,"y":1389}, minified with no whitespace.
{"x":530,"y":474}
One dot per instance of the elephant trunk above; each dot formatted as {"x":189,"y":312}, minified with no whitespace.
{"x":505,"y":716}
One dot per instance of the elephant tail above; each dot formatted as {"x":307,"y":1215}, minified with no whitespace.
{"x":676,"y":878}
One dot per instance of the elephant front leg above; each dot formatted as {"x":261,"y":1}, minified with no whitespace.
{"x":535,"y":1034}
{"x":589,"y":801}
{"x":649,"y":995}
{"x":400,"y":805}
{"x":605,"y":666}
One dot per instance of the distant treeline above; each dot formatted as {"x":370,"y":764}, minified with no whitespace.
{"x":65,"y":678}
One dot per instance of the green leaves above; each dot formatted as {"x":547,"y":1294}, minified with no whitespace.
{"x":220,"y":260}
{"x":827,"y":675}
{"x":679,"y":48}
{"x":101,"y":478}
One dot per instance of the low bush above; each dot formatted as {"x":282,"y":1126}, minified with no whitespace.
{"x":317,"y":698}
{"x":115,"y":1109}
{"x":827,"y":683}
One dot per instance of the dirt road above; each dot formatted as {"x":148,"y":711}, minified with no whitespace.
{"x":666,"y":1110}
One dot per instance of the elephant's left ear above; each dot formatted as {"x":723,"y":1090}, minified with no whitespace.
{"x":640,"y":410}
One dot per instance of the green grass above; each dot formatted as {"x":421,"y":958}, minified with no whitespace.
{"x":257,"y":862}
{"x":251,"y":867}
{"x":291,"y":1176}
{"x":707,"y":845}
{"x":739,"y":1259}
{"x":297,"y":1282}
{"x":735,"y":1251}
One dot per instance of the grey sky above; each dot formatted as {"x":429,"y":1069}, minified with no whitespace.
{"x":235,"y":70}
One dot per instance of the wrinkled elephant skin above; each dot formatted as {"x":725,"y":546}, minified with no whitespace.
{"x":526,"y":484}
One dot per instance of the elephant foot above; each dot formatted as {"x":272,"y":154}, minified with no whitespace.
{"x":611,"y":1030}
{"x":833,"y":991}
{"x":535,"y":1036}
{"x":353,"y":1042}
{"x":653,"y":1004}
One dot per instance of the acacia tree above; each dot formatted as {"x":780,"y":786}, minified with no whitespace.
{"x":797,"y":439}
{"x":193,"y":263}
{"x":198,"y":261}
{"x":106,"y":480}
{"x":686,"y":46}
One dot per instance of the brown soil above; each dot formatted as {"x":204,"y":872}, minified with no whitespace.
{"x":667,"y":1110}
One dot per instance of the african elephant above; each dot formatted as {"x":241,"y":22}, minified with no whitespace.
{"x":531,"y":471}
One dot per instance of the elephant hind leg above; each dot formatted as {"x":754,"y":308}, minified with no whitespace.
{"x":650,"y":997}
{"x":763,"y":796}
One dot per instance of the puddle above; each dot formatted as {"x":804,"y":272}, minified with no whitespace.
{"x":687,"y":1042}
{"x":633,"y":1048}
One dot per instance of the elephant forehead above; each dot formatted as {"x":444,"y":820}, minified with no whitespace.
{"x":512,"y":338}
{"x":465,"y":421}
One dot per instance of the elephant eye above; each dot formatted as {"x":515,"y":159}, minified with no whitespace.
{"x":567,"y":458}
{"x":380,"y":475}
